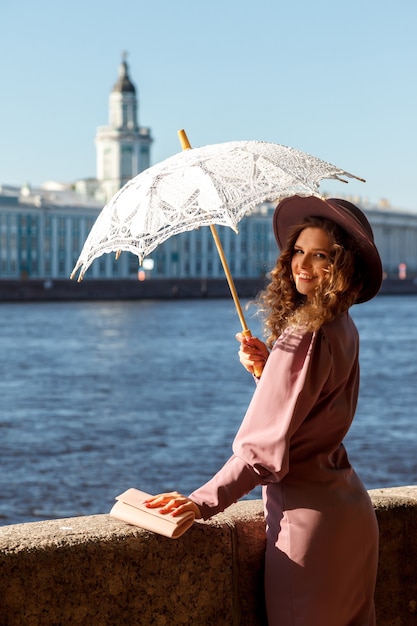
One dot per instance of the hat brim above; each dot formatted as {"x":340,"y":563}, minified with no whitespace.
{"x":293,"y":210}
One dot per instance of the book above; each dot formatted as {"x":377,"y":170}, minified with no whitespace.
{"x":130,"y":508}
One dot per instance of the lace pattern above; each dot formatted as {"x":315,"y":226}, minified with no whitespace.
{"x":215,"y":184}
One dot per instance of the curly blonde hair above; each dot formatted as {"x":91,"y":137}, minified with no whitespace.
{"x":280,"y":303}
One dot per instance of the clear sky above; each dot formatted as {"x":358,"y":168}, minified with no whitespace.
{"x":335,"y":79}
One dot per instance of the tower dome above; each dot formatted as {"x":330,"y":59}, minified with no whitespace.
{"x":123,"y":83}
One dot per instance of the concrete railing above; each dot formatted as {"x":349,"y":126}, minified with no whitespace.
{"x":96,"y":571}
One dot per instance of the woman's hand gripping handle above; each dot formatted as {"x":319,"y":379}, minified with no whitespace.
{"x":253,"y":353}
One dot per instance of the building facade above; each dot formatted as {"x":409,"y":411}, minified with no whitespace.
{"x":42,"y":234}
{"x":250,"y":253}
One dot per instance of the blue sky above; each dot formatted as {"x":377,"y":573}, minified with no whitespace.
{"x":336,"y":79}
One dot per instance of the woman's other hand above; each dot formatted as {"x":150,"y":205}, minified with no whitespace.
{"x":253,"y":353}
{"x":174,"y":503}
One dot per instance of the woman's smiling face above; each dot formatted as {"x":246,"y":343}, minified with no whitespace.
{"x":310,"y":260}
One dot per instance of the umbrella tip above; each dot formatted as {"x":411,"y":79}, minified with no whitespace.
{"x":73,"y":273}
{"x":185,"y":144}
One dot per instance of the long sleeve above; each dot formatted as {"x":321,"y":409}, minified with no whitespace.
{"x":231,"y":483}
{"x":291,"y":383}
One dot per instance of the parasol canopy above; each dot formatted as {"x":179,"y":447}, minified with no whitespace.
{"x":214,"y":184}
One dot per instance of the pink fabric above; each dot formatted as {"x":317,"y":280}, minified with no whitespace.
{"x":322,"y":535}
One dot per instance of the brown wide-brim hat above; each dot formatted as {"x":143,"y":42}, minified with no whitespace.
{"x":291,"y":211}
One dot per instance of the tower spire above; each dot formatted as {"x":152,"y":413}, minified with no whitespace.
{"x":123,"y":83}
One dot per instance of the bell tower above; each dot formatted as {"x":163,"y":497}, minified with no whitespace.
{"x":123,"y":147}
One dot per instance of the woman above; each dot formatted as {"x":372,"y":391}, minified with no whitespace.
{"x":322,"y":535}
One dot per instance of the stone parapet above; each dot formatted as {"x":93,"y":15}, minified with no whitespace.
{"x":97,"y":571}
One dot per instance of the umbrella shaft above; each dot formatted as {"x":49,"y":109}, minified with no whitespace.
{"x":228,"y":276}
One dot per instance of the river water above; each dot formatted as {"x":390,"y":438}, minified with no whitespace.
{"x":97,"y":397}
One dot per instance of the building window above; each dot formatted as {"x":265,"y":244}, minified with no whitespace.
{"x":102,"y":266}
{"x":107,"y":163}
{"x":126,"y":168}
{"x":133,"y":264}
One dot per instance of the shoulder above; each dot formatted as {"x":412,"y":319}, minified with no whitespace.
{"x":340,"y":336}
{"x":294,"y":349}
{"x":293,"y":339}
{"x":340,"y":329}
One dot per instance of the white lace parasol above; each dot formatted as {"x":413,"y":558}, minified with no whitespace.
{"x":215,"y":184}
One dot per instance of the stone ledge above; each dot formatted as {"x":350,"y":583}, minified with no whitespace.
{"x":98,"y":571}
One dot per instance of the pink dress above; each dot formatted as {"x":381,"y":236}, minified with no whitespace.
{"x":322,"y":535}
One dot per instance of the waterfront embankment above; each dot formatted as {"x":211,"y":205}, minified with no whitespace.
{"x":49,"y":290}
{"x":96,"y":570}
